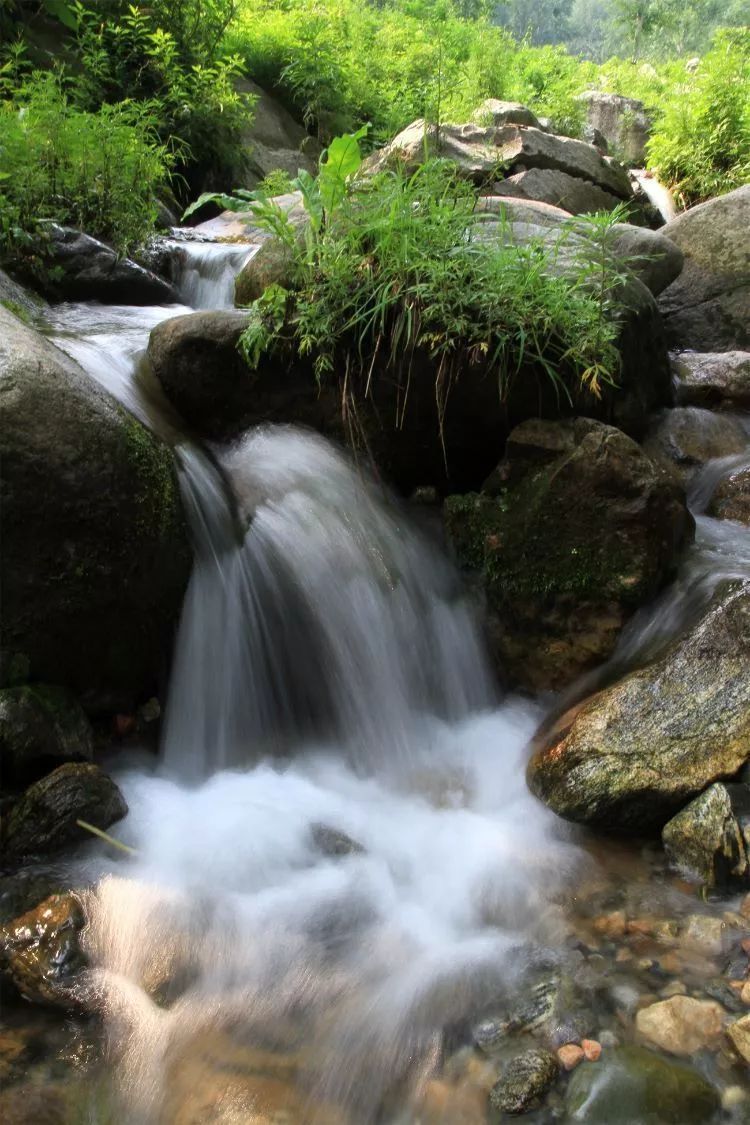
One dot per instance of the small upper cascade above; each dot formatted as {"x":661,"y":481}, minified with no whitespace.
{"x":205,"y":271}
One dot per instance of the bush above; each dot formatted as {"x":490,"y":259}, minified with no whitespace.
{"x":702,"y":144}
{"x":99,"y":172}
{"x":398,"y":269}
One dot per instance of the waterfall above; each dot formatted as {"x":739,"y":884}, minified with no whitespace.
{"x":205,"y":271}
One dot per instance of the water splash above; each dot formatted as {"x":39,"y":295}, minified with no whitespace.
{"x":204,"y":272}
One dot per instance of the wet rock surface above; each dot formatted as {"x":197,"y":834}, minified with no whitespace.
{"x":525,"y":1081}
{"x":40,"y":952}
{"x":731,"y":498}
{"x":686,"y":438}
{"x":712,"y":378}
{"x":682,"y":1025}
{"x":44,"y":817}
{"x":709,"y":838}
{"x":620,"y":763}
{"x":575,"y":529}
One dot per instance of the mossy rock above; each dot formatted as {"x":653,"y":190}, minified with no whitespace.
{"x":576,"y":530}
{"x":40,"y":727}
{"x":96,"y":554}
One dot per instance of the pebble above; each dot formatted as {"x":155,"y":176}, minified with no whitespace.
{"x":745,"y":993}
{"x":611,"y":925}
{"x":739,"y":1033}
{"x":732,"y":1097}
{"x":592,"y":1050}
{"x":683,"y":1025}
{"x":674,"y":988}
{"x":608,"y":1039}
{"x":570,"y":1055}
{"x":703,"y":934}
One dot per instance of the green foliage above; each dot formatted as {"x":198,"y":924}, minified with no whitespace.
{"x":96,"y":171}
{"x":702,"y":144}
{"x":403,"y":270}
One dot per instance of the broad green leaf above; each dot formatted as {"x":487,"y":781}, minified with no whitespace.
{"x":343,"y":159}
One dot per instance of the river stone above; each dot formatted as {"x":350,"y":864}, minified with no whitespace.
{"x":271,"y":264}
{"x":686,"y":438}
{"x":623,"y":122}
{"x":44,"y":817}
{"x":580,"y":528}
{"x":91,"y":509}
{"x":40,"y":726}
{"x":731,"y":498}
{"x":708,"y":837}
{"x":80,"y":268}
{"x":623,"y":764}
{"x":712,"y":378}
{"x":525,"y":1081}
{"x":708,"y":307}
{"x":40,"y":952}
{"x":739,"y":1033}
{"x":682,"y":1025}
{"x":632,"y":1085}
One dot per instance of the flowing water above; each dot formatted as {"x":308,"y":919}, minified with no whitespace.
{"x":339,"y":868}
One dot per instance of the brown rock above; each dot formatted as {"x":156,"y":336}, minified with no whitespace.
{"x":570,"y":1055}
{"x":592,"y":1049}
{"x":682,"y":1025}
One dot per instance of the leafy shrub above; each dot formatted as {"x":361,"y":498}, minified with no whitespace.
{"x":702,"y":143}
{"x":99,"y":172}
{"x":400,"y":269}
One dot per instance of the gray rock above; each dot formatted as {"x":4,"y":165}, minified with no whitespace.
{"x":631,"y":1084}
{"x":80,"y":268}
{"x":535,"y":149}
{"x":712,"y":378}
{"x":492,"y":111}
{"x":654,"y":259}
{"x":686,"y":438}
{"x":334,"y":843}
{"x":708,"y":307}
{"x":620,"y":763}
{"x":710,"y":836}
{"x":44,"y":818}
{"x":90,"y":506}
{"x":525,"y":1081}
{"x":40,"y":726}
{"x":273,"y":140}
{"x":548,"y":185}
{"x":581,"y":529}
{"x":731,"y":498}
{"x":623,"y":122}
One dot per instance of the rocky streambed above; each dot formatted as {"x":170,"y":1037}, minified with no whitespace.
{"x":373,"y":919}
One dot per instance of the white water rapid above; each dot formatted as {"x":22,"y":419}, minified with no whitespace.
{"x":338,"y":867}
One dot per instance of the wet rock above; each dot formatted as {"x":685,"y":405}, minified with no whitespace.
{"x":682,"y":1025}
{"x":40,"y":726}
{"x":623,"y":122}
{"x":271,"y":264}
{"x":731,"y":498}
{"x":23,"y":889}
{"x":708,"y":837}
{"x":80,"y":268}
{"x":739,"y":1033}
{"x":621,"y":763}
{"x":90,"y":506}
{"x":570,"y":1055}
{"x":703,"y":933}
{"x":632,"y":1084}
{"x":525,"y":1081}
{"x":592,"y":1050}
{"x":44,"y":817}
{"x":712,"y":378}
{"x":581,"y":529}
{"x":708,"y":307}
{"x":685,"y":438}
{"x":30,"y":1104}
{"x":40,"y":952}
{"x":334,"y":843}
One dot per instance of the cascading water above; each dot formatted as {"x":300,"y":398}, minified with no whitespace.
{"x":205,"y":271}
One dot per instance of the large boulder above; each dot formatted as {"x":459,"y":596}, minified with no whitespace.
{"x":495,"y":112}
{"x":95,"y":554}
{"x":687,"y":438}
{"x":549,"y":185}
{"x":631,"y":1084}
{"x":576,"y":529}
{"x":731,"y":497}
{"x":478,"y":151}
{"x":712,"y":378}
{"x":634,"y":754}
{"x":708,"y":307}
{"x":273,"y":140}
{"x":623,"y":122}
{"x":710,"y":836}
{"x":80,"y":268}
{"x":40,"y":726}
{"x":45,"y":817}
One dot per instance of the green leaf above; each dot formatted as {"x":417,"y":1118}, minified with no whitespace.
{"x":63,"y":12}
{"x":311,"y":197}
{"x":228,"y":202}
{"x":343,"y":159}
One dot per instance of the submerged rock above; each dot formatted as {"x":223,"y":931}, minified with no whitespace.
{"x":578,"y":530}
{"x":40,"y":726}
{"x":739,"y":1033}
{"x":95,"y":554}
{"x":710,"y":837}
{"x":334,"y":843}
{"x":731,"y":498}
{"x":525,"y":1081}
{"x":623,"y":763}
{"x":708,"y":307}
{"x":631,"y":1084}
{"x":44,"y":817}
{"x":682,"y":1025}
{"x":686,"y":438}
{"x":40,"y":952}
{"x":712,"y":378}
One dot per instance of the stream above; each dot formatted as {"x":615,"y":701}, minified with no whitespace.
{"x":342,"y":887}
